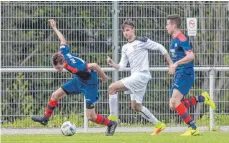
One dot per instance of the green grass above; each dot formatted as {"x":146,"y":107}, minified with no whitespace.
{"x":206,"y":137}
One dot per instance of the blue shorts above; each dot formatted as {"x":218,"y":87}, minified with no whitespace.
{"x":89,"y":88}
{"x":183,"y":81}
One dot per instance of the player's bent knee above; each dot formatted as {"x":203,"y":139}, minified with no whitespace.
{"x":135,"y":108}
{"x":55,"y":96}
{"x":90,"y":106}
{"x":173,"y":104}
{"x":111,"y":89}
{"x":91,"y":117}
{"x":138,"y":107}
{"x":133,"y":105}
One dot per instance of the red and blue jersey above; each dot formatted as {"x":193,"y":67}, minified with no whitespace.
{"x":84,"y":81}
{"x":179,"y":45}
{"x":73,"y":63}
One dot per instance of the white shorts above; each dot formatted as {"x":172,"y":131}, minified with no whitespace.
{"x":136,"y":83}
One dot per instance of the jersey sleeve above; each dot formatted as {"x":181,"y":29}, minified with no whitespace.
{"x":64,"y":49}
{"x":124,"y":60}
{"x":151,"y":45}
{"x":184,"y":42}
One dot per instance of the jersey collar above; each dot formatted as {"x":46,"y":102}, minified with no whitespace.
{"x":176,"y":35}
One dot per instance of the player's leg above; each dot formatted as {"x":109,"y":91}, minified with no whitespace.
{"x":99,"y":119}
{"x":58,"y":94}
{"x":113,"y":98}
{"x":179,"y":107}
{"x":136,"y":105}
{"x":204,"y":97}
{"x":137,"y":84}
{"x":182,"y":84}
{"x":92,"y":95}
{"x":192,"y":101}
{"x":68,"y":88}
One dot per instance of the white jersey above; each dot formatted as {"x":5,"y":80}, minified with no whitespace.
{"x":136,"y":53}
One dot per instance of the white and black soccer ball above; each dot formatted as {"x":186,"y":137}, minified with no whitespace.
{"x":68,"y":128}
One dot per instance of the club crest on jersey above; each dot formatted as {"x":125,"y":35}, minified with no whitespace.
{"x":135,"y":46}
{"x":175,"y":45}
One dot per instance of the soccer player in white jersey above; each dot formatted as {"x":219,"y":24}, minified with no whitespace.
{"x":135,"y":52}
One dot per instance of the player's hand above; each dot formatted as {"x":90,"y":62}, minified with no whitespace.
{"x":105,"y":78}
{"x":109,"y":61}
{"x":172,"y":68}
{"x":52,"y":23}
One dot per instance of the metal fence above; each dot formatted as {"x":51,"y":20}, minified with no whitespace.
{"x":93,"y":30}
{"x":29,"y":93}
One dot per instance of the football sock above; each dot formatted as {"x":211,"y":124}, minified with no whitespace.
{"x":102,"y":120}
{"x":192,"y":101}
{"x":145,"y":113}
{"x":49,"y":109}
{"x":182,"y":111}
{"x":199,"y":98}
{"x":113,"y":104}
{"x":189,"y":102}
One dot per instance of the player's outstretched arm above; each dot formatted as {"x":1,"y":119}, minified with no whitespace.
{"x":156,"y":46}
{"x":168,"y":59}
{"x":97,"y":68}
{"x":112,"y":63}
{"x":58,"y":33}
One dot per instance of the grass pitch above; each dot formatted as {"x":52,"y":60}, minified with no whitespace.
{"x":205,"y":137}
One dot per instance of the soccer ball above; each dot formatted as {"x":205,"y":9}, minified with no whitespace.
{"x":68,"y":128}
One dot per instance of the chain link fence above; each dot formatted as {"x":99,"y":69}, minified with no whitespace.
{"x":28,"y":41}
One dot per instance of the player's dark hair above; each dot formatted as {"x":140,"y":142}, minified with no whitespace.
{"x":175,"y":19}
{"x":57,"y":59}
{"x":128,"y":22}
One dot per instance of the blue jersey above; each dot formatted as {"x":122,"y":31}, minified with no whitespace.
{"x":73,"y":63}
{"x":180,"y":45}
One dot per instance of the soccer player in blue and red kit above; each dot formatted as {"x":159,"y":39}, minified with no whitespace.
{"x":183,"y":68}
{"x":84,"y":81}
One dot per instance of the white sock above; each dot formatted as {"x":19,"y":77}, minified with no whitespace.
{"x":113,"y":104}
{"x":145,"y":113}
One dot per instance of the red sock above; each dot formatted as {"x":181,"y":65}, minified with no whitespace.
{"x":182,"y":111}
{"x":102,"y":120}
{"x":51,"y":106}
{"x":189,"y":102}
